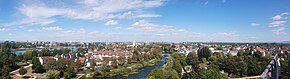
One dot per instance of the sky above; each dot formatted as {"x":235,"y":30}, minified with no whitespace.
{"x":145,"y":20}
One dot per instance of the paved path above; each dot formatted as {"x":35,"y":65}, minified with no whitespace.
{"x":250,"y":77}
{"x":80,"y":76}
{"x":13,"y":72}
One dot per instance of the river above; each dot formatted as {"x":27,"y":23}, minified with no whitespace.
{"x":143,"y":73}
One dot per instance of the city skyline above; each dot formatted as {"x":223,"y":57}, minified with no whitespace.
{"x":143,"y":20}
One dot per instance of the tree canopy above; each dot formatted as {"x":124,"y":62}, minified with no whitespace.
{"x":204,"y":53}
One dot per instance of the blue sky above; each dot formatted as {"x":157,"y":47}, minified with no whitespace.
{"x":145,"y":20}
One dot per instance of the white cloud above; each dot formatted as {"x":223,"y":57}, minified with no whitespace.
{"x":94,"y":33}
{"x":282,"y":16}
{"x":160,"y":35}
{"x":3,"y":29}
{"x":181,"y":30}
{"x":146,"y":26}
{"x":279,"y":31}
{"x":10,"y":34}
{"x":130,"y":28}
{"x":277,"y":23}
{"x":253,"y":37}
{"x":111,"y":23}
{"x":41,"y":13}
{"x":103,"y":9}
{"x":131,"y":15}
{"x":143,"y":23}
{"x":145,"y":15}
{"x":45,"y":29}
{"x":31,"y":30}
{"x":277,"y":17}
{"x":117,"y":27}
{"x":229,"y":34}
{"x":59,"y":35}
{"x":81,"y":30}
{"x":285,"y":13}
{"x":255,"y":24}
{"x":51,"y":28}
{"x":72,"y":34}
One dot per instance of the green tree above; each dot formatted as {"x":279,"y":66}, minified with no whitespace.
{"x":211,"y":74}
{"x":70,"y":73}
{"x":229,"y":65}
{"x":79,"y":64}
{"x":157,"y":74}
{"x":45,"y":52}
{"x":177,"y":66}
{"x":220,"y":56}
{"x":171,"y":74}
{"x":157,"y":51}
{"x":204,"y":53}
{"x":19,"y":57}
{"x":254,"y":67}
{"x":34,"y":52}
{"x":22,"y":71}
{"x":213,"y":58}
{"x":203,"y":60}
{"x":219,"y":48}
{"x":242,"y":68}
{"x":53,"y":74}
{"x":192,"y":59}
{"x":114,"y":63}
{"x":55,"y":51}
{"x":229,"y":55}
{"x":65,"y":50}
{"x":121,"y":60}
{"x":37,"y":67}
{"x":241,"y":53}
{"x":51,"y":64}
{"x":93,"y":64}
{"x":5,"y":72}
{"x":28,"y":54}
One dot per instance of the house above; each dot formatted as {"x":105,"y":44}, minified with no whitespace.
{"x":187,"y":69}
{"x":98,"y":61}
{"x":43,"y":59}
{"x":82,"y":59}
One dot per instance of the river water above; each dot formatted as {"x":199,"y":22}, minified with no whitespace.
{"x":143,"y":73}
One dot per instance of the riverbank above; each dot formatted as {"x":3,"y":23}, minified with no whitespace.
{"x":137,"y":70}
{"x":128,"y":69}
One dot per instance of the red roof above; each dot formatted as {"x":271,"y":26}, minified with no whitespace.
{"x":45,"y":57}
{"x":98,"y":60}
{"x":107,"y":52}
{"x":82,"y":58}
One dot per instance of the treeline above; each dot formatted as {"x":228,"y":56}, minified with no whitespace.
{"x":7,"y":60}
{"x":208,"y":65}
{"x":142,"y":56}
{"x":284,"y":65}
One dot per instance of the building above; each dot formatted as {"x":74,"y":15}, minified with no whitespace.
{"x":43,"y":59}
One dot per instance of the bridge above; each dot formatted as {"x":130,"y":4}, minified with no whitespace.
{"x":272,"y":70}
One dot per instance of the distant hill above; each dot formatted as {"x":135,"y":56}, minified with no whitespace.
{"x":286,"y":42}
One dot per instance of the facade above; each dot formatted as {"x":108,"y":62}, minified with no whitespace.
{"x":43,"y":59}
